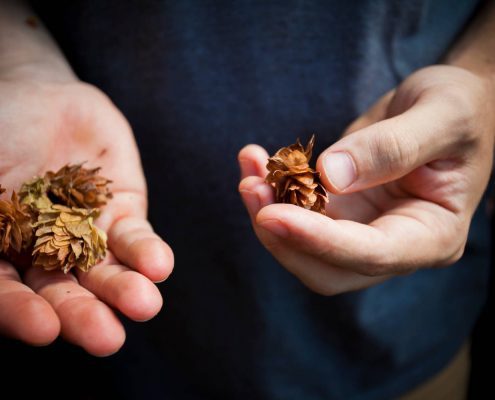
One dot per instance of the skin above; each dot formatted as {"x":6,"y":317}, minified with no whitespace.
{"x":421,"y":190}
{"x":417,"y":164}
{"x":49,"y":118}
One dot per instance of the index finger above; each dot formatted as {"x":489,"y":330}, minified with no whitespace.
{"x":131,"y":237}
{"x":388,"y":245}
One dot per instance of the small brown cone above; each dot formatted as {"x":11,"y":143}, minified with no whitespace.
{"x":76,"y":186}
{"x":295,"y":182}
{"x":34,"y":194}
{"x":67,"y":238}
{"x":15,"y":226}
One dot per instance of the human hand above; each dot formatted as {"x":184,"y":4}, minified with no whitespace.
{"x":45,"y":124}
{"x":405,"y":180}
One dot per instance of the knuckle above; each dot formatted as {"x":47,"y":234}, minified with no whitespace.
{"x":379,"y":262}
{"x":272,"y":245}
{"x":466,"y":110}
{"x":466,"y":105}
{"x":392,"y":151}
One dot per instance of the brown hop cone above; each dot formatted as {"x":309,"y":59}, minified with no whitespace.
{"x":295,"y":182}
{"x":34,"y":194}
{"x":15,"y":225}
{"x":76,"y":186}
{"x":67,"y":238}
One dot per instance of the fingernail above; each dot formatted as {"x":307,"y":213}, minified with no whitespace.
{"x":340,"y":169}
{"x":276,"y":227}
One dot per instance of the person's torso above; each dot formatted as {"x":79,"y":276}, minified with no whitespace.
{"x":200,"y":79}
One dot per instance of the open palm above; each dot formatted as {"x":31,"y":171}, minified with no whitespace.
{"x":43,"y":127}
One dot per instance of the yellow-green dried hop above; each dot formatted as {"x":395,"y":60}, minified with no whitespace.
{"x":34,"y":194}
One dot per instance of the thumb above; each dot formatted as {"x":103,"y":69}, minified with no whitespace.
{"x":389,"y":149}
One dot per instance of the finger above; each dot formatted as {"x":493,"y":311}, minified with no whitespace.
{"x":124,"y":289}
{"x":381,"y":248}
{"x":135,"y":244}
{"x":315,"y":274}
{"x":131,"y":237}
{"x":123,"y":204}
{"x":319,"y":276}
{"x":252,"y":160}
{"x":255,"y":194}
{"x":23,"y":314}
{"x":390,"y":149}
{"x":85,"y":321}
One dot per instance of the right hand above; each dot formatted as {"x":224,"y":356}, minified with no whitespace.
{"x":405,"y":181}
{"x":45,"y":124}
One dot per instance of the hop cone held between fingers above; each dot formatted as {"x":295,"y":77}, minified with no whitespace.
{"x":57,"y":213}
{"x":295,"y":182}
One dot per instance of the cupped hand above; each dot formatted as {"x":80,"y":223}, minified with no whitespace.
{"x":43,"y":126}
{"x":405,"y":181}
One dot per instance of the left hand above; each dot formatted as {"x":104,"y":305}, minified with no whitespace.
{"x":46,"y":125}
{"x":405,"y":180}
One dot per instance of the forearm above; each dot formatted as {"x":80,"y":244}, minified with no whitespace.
{"x":475,"y":49}
{"x":26,"y":48}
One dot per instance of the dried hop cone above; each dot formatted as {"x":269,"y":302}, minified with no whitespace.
{"x":67,"y":238}
{"x":34,"y":194}
{"x":15,"y":225}
{"x":295,"y":182}
{"x":76,"y":186}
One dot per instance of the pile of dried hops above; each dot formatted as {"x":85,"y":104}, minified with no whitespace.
{"x":50,"y":223}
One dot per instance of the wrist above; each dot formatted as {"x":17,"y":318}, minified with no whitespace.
{"x":473,"y":51}
{"x":27,"y":51}
{"x":480,"y":66}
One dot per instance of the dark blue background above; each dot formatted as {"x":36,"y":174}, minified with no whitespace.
{"x":200,"y":79}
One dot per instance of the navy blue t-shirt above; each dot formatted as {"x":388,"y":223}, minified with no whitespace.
{"x":200,"y":79}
